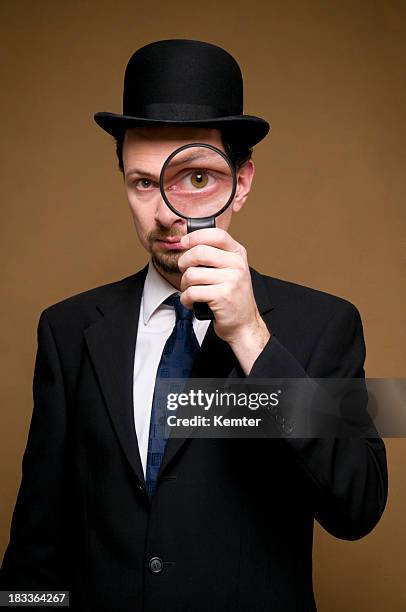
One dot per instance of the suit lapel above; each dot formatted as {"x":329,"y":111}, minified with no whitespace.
{"x":112,"y":341}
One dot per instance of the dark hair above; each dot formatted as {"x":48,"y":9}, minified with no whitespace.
{"x":237,"y":152}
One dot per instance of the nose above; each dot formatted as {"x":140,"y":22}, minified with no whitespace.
{"x":164,"y":215}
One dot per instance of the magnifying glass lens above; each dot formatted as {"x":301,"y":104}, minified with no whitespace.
{"x":197,"y":182}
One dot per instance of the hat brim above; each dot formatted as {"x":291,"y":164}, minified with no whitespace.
{"x":244,"y":129}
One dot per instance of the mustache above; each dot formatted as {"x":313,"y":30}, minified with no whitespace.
{"x":162,"y":235}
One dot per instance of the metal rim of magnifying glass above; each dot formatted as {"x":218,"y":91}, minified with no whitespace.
{"x":207,"y":146}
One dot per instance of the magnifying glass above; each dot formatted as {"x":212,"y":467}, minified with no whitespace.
{"x":198,"y":182}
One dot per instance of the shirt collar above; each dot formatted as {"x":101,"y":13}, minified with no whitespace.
{"x":156,"y":290}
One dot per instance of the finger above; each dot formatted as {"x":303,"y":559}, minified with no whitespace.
{"x":205,"y":255}
{"x":203,"y":276}
{"x":199,"y":293}
{"x":213,"y":236}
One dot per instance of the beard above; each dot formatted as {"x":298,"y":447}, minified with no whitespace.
{"x":165,"y":261}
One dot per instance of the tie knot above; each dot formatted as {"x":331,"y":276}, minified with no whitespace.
{"x":181,"y":311}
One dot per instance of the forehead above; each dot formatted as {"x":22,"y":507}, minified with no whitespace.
{"x":155,"y":143}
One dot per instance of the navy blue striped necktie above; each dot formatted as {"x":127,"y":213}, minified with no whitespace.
{"x":176,"y":361}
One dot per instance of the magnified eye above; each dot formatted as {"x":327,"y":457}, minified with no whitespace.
{"x":199,"y":179}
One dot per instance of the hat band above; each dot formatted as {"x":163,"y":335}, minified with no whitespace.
{"x":178,"y":112}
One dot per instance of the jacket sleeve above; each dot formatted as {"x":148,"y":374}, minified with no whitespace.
{"x":347,"y":476}
{"x":33,"y":558}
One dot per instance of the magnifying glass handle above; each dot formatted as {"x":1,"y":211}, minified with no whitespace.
{"x":202,"y":310}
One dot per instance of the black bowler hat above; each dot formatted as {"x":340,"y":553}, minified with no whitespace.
{"x":184,"y":82}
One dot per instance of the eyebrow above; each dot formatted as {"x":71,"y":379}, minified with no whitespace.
{"x":143,"y":173}
{"x":174,"y":163}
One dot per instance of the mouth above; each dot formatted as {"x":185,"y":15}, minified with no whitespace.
{"x":172,"y":244}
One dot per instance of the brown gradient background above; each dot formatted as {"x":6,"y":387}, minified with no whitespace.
{"x":327,"y":208}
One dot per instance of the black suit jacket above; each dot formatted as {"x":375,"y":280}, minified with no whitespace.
{"x":232,"y":519}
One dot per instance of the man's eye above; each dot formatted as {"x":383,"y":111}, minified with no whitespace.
{"x":199,"y":179}
{"x":143,"y":183}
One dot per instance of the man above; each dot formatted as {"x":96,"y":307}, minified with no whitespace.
{"x":213,"y":524}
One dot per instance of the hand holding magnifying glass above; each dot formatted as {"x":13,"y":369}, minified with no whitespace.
{"x":198,"y":183}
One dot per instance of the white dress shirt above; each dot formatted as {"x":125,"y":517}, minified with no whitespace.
{"x":155,"y":324}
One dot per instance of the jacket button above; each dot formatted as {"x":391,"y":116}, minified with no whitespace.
{"x":288,"y":428}
{"x":156,"y":565}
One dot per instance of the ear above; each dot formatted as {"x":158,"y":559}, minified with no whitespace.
{"x":245,"y":174}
